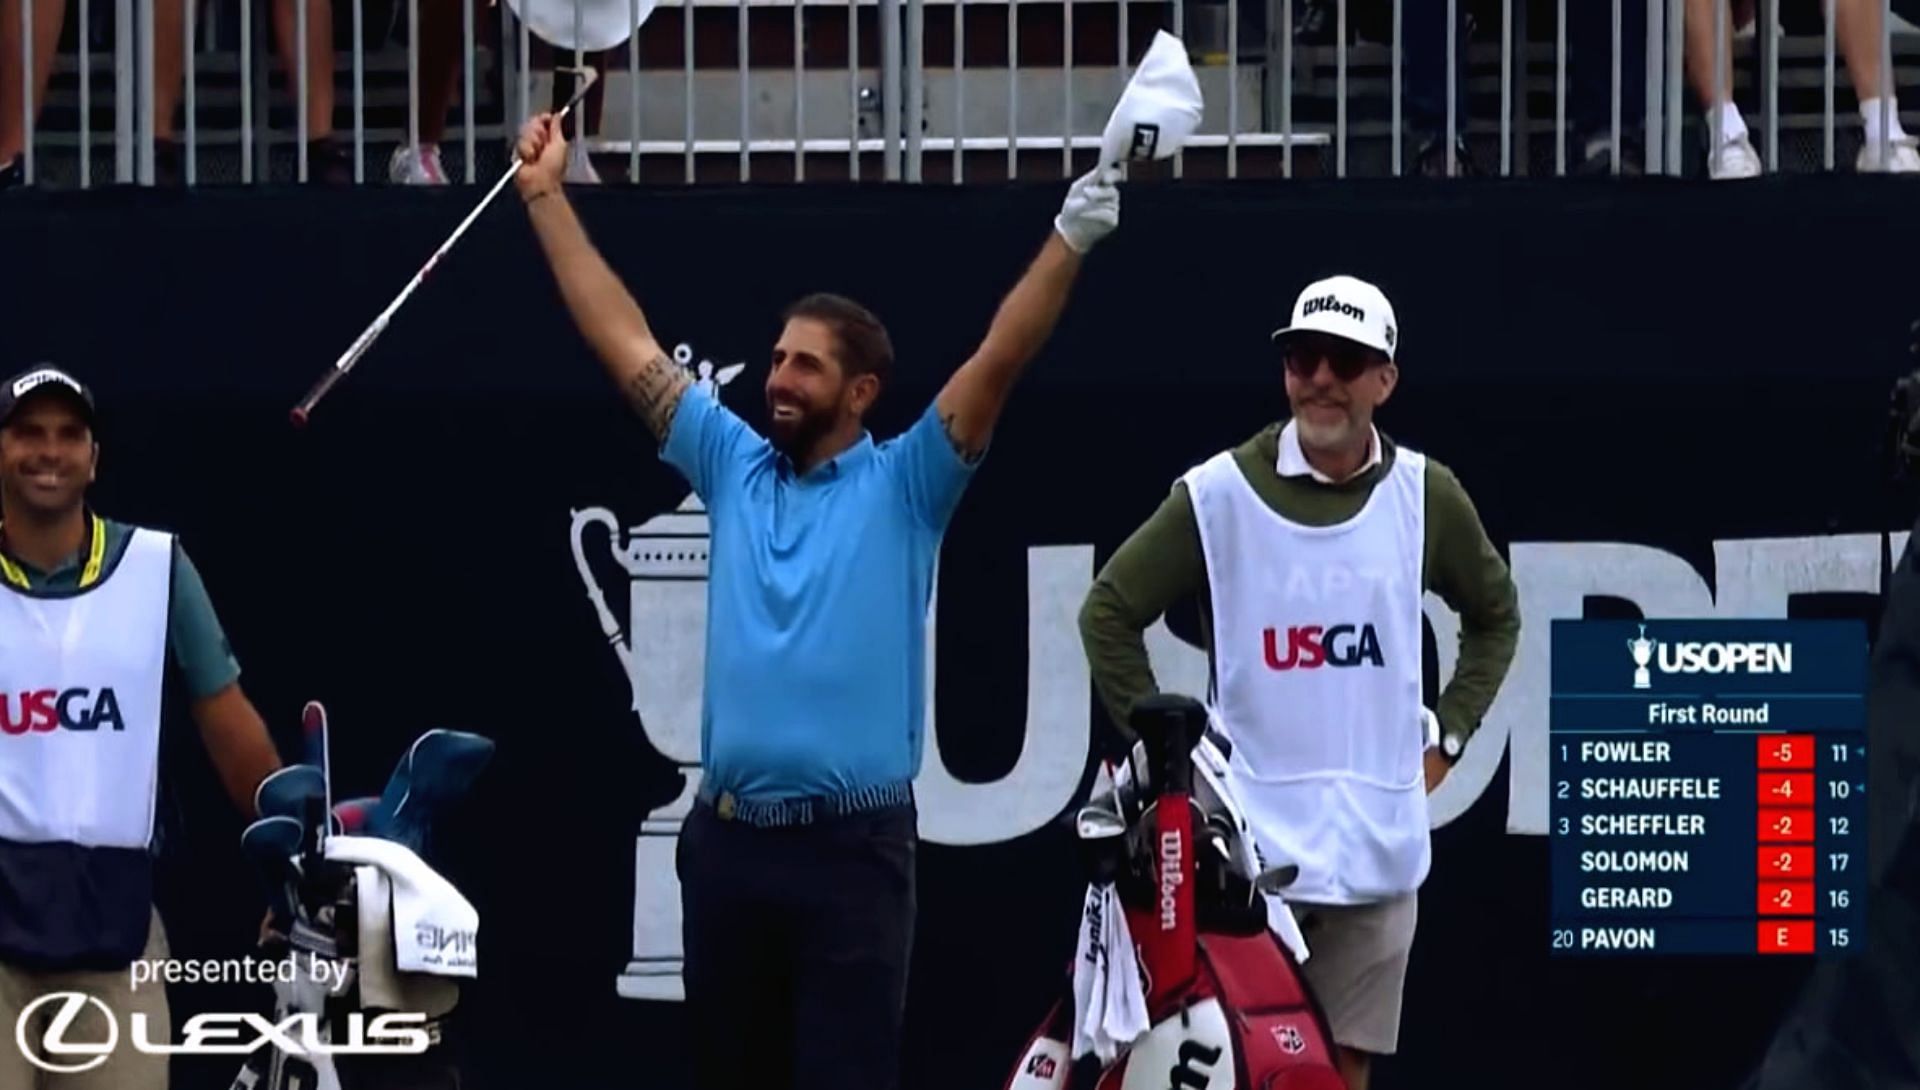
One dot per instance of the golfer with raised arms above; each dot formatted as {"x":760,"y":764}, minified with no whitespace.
{"x":797,"y":863}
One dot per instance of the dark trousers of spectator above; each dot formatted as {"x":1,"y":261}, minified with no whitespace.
{"x":1590,"y":73}
{"x":1423,"y":60}
{"x":1589,"y":69}
{"x":797,"y":945}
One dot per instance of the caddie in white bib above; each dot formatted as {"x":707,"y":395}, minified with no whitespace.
{"x":1317,"y":679}
{"x":81,"y":678}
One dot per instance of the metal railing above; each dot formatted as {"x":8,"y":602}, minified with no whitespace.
{"x":939,"y":90}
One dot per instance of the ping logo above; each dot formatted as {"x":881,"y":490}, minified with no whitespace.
{"x":1146,"y":140}
{"x":440,"y":939}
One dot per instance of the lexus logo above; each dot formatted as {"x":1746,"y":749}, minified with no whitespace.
{"x":54,"y":1041}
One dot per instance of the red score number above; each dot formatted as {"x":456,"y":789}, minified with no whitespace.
{"x":1785,"y":751}
{"x":1785,"y":789}
{"x":1786,"y":826}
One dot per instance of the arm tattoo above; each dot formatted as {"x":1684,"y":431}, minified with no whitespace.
{"x":655,"y":393}
{"x":968,"y":453}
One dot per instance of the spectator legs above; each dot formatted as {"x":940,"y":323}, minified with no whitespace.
{"x":48,"y":15}
{"x":1590,"y":85}
{"x":1857,"y":33}
{"x":1423,"y":26}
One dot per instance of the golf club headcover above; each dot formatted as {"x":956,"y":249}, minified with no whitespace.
{"x":436,"y":770}
{"x":270,"y":845}
{"x":1169,"y":724}
{"x":284,"y":793}
{"x":350,"y":816}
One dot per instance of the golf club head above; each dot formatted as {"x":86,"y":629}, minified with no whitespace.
{"x":1277,"y":879}
{"x":270,"y":845}
{"x":586,"y":74}
{"x":437,"y":769}
{"x":1099,"y":823}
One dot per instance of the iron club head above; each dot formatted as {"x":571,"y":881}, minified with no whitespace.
{"x":1099,"y":823}
{"x":1275,"y":879}
{"x":586,"y":76}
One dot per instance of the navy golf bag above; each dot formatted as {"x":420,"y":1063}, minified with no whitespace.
{"x":352,"y":897}
{"x":1225,"y":1005}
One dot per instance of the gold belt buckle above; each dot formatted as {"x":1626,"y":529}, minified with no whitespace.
{"x":724,"y":807}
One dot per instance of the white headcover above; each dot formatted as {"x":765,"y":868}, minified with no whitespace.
{"x":1159,"y":110}
{"x":603,"y":23}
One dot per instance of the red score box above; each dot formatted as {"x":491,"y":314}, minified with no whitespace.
{"x":1785,"y":898}
{"x":1785,"y":789}
{"x":1786,"y":826}
{"x":1782,"y":863}
{"x":1785,"y":937}
{"x":1779,"y":751}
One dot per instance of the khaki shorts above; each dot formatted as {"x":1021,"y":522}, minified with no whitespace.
{"x":125,"y":1068}
{"x":1357,"y":967}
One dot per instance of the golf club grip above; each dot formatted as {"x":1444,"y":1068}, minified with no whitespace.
{"x":342,"y":365}
{"x":305,"y":408}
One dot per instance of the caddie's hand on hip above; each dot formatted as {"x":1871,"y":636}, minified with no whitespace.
{"x":1437,"y":768}
{"x":1091,"y":210}
{"x":542,"y":150}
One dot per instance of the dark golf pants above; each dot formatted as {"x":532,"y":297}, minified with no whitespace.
{"x":797,"y":945}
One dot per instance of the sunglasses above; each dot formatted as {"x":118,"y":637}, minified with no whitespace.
{"x":1349,"y":360}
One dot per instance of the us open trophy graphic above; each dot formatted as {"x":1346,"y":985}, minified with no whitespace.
{"x":664,"y":654}
{"x":1642,"y":649}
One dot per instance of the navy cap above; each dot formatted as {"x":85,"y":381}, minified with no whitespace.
{"x":43,"y":381}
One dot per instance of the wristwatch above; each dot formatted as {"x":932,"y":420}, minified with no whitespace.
{"x":1451,"y":745}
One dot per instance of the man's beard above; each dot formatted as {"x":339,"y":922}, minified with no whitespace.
{"x":796,"y":436}
{"x":1324,"y":434}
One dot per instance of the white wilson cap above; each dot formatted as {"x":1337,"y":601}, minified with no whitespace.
{"x":1345,"y":307}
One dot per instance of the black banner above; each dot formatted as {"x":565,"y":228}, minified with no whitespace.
{"x":1665,"y":400}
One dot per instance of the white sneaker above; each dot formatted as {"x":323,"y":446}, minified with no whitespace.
{"x":580,"y":165}
{"x":1734,"y":159}
{"x":1898,"y":157}
{"x":421,"y":166}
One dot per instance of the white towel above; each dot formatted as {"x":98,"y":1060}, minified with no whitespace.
{"x":1280,"y":921}
{"x":382,"y":984}
{"x":1109,"y":1005}
{"x":435,"y":929}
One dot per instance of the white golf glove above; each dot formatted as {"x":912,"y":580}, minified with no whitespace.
{"x":1091,"y":210}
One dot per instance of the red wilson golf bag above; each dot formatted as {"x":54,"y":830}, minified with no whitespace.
{"x":1225,"y":1001}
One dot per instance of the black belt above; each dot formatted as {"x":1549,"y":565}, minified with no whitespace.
{"x":804,"y":810}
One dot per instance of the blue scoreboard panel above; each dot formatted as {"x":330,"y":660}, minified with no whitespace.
{"x":1709,"y":782}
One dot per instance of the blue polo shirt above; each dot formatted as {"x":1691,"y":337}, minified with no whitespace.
{"x":816,"y":602}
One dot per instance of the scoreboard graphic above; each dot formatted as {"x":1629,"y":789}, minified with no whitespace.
{"x":1709,"y":783}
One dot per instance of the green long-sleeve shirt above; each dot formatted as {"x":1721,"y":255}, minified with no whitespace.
{"x":1162,"y":563}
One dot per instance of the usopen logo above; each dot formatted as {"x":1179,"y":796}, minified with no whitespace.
{"x":1706,"y":657}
